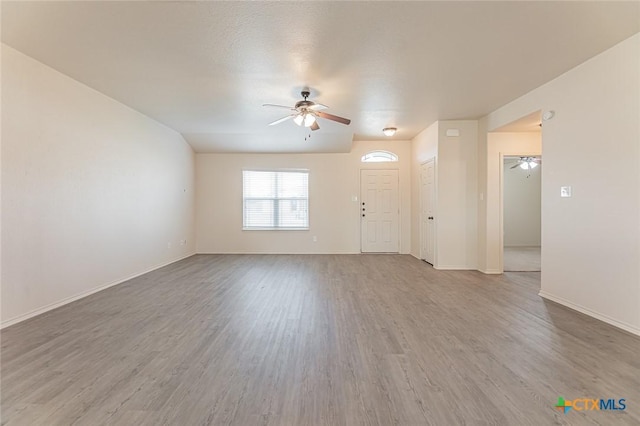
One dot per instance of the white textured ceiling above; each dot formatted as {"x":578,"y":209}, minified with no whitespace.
{"x":205,"y":68}
{"x":528,"y":123}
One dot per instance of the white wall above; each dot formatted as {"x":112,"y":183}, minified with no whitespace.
{"x":521,"y":205}
{"x":456,"y":192}
{"x":482,"y":193}
{"x":92,"y":191}
{"x":500,"y":144}
{"x":334,"y":218}
{"x":457,"y":206}
{"x":591,"y":242}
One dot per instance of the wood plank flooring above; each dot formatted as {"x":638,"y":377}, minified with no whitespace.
{"x":522,"y":259}
{"x":315,"y":340}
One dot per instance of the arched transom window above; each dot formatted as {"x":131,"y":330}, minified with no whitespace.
{"x":379,"y":157}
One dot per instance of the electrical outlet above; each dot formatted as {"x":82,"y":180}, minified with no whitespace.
{"x":315,"y":239}
{"x":168,"y":245}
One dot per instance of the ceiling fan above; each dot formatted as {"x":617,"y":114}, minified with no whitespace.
{"x":305,"y":113}
{"x":527,"y":163}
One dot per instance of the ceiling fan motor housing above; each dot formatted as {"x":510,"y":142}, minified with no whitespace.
{"x":304,"y":104}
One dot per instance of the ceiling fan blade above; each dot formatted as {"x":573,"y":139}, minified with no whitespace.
{"x":282,"y":119}
{"x":333,"y":117}
{"x":514,"y":166}
{"x":278,"y":106}
{"x":317,"y":107}
{"x":314,"y":126}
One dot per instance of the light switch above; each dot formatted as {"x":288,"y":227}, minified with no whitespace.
{"x":565,"y":191}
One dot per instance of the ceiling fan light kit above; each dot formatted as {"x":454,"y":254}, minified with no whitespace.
{"x":389,"y":131}
{"x":527,"y":163}
{"x":306,"y":112}
{"x":305,"y":119}
{"x":309,"y":119}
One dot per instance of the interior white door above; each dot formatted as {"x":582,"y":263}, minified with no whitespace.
{"x":427,"y":207}
{"x":379,"y":211}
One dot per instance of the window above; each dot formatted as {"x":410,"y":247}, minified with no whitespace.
{"x":275,"y":199}
{"x":379,"y":157}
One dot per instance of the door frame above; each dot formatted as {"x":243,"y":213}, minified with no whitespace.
{"x":435,"y":222}
{"x":397,"y":169}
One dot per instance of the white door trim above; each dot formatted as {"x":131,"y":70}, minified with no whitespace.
{"x":420,"y":218}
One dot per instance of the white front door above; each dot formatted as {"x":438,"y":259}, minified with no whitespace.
{"x":379,"y":211}
{"x":427,"y":207}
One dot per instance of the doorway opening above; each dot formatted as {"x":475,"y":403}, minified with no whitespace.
{"x":520,"y":138}
{"x":521,"y":212}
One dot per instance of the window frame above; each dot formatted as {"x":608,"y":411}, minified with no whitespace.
{"x":275,"y":200}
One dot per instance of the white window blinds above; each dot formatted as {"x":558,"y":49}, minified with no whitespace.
{"x":275,"y":199}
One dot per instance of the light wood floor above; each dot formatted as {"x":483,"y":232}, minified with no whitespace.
{"x":315,"y":340}
{"x":522,"y":259}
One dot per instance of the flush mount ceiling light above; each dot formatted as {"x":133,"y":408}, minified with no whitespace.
{"x":389,"y":131}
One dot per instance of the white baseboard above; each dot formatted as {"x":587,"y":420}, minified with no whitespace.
{"x":605,"y":318}
{"x":278,"y":252}
{"x":78,"y":296}
{"x":453,"y":268}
